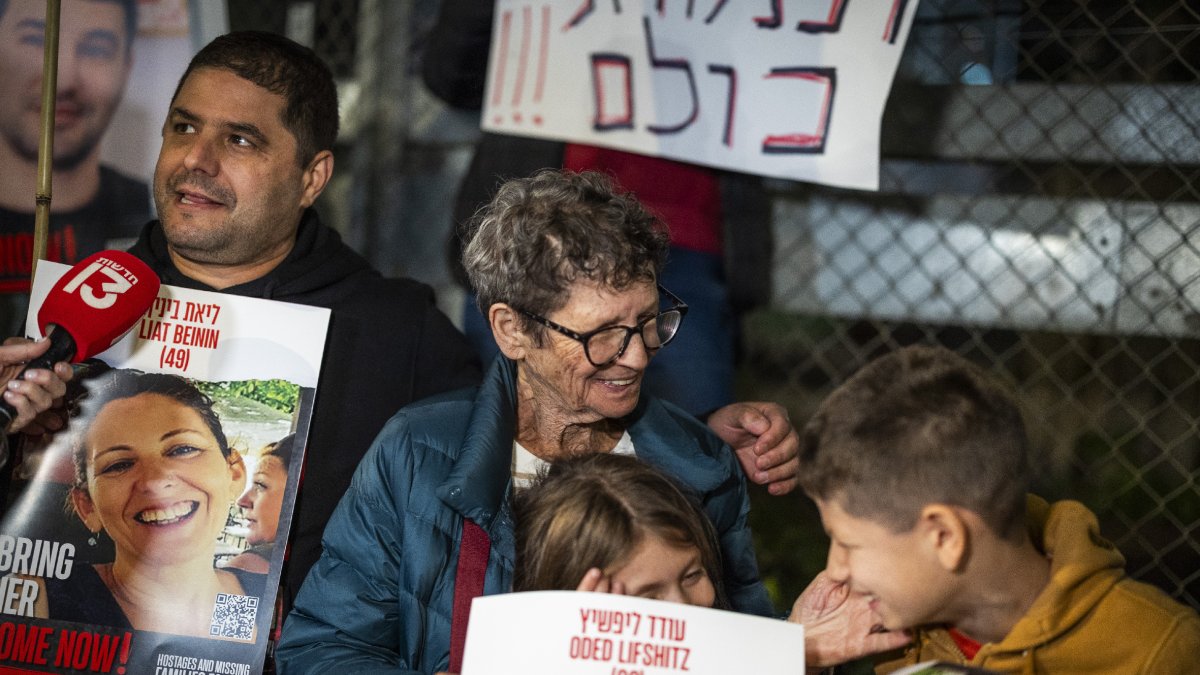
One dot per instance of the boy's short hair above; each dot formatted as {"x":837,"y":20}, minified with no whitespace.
{"x":918,"y":426}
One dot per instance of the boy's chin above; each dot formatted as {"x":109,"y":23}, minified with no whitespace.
{"x":897,"y":624}
{"x":884,"y":619}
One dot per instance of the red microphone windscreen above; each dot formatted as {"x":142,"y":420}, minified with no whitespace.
{"x":99,"y":299}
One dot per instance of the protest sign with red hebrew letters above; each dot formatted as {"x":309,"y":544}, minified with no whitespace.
{"x":578,"y":633}
{"x":132,"y":540}
{"x":788,"y":89}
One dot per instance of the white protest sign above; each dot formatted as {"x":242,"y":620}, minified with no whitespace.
{"x":788,"y":89}
{"x":576,"y":633}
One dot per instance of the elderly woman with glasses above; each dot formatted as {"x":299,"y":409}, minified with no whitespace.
{"x":565,"y":268}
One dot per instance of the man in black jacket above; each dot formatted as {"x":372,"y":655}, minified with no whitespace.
{"x":247,"y":148}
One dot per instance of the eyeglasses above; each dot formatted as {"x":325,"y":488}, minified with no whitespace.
{"x":605,"y":345}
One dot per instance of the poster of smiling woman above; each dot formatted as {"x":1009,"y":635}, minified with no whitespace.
{"x":148,"y":535}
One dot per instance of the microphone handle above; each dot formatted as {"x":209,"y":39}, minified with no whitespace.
{"x":62,"y":348}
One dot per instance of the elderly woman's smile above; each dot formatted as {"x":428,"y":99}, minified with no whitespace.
{"x":559,"y":373}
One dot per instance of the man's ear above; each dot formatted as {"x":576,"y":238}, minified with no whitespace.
{"x":316,"y":177}
{"x":506,"y":329}
{"x":946,"y":535}
{"x":85,"y":509}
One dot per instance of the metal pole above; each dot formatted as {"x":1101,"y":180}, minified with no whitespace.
{"x":41,"y":217}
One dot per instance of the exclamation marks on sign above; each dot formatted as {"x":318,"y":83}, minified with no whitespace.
{"x":895,"y":17}
{"x":529,"y":35}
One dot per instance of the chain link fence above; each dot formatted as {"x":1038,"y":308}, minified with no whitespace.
{"x":1039,"y":213}
{"x":400,"y":152}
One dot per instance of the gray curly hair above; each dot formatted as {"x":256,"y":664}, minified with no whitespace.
{"x":541,"y":234}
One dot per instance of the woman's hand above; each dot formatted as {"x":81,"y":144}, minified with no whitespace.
{"x":596,"y":581}
{"x":38,"y":389}
{"x":839,"y":625}
{"x":763,"y":439}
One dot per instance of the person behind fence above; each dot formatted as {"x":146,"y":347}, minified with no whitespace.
{"x":262,"y":503}
{"x":919,"y":466}
{"x":155,"y":473}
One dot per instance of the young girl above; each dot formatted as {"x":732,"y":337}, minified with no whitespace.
{"x":612,"y":523}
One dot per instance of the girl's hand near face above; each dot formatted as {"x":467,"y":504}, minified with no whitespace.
{"x":596,"y":581}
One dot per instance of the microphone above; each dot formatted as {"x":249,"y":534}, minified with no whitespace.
{"x":89,"y":308}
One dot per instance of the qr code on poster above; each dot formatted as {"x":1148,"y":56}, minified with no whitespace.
{"x":233,"y":616}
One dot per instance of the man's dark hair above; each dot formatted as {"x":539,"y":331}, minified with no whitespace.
{"x":131,"y":18}
{"x":921,"y":425}
{"x":283,"y":67}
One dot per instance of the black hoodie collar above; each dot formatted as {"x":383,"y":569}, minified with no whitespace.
{"x":318,"y":259}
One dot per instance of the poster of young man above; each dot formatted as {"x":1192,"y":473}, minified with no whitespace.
{"x":118,"y":62}
{"x":148,"y":535}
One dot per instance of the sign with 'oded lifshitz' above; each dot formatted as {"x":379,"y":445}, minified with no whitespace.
{"x":578,"y":633}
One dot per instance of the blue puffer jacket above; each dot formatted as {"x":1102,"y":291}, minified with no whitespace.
{"x":379,"y":600}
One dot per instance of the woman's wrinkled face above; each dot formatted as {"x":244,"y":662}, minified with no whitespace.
{"x":157,"y":482}
{"x":263,"y":499}
{"x":564,"y":382}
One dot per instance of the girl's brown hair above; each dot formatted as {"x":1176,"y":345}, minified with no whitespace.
{"x":593,"y":511}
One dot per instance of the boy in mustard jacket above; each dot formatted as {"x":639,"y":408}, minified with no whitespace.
{"x":919,"y":465}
